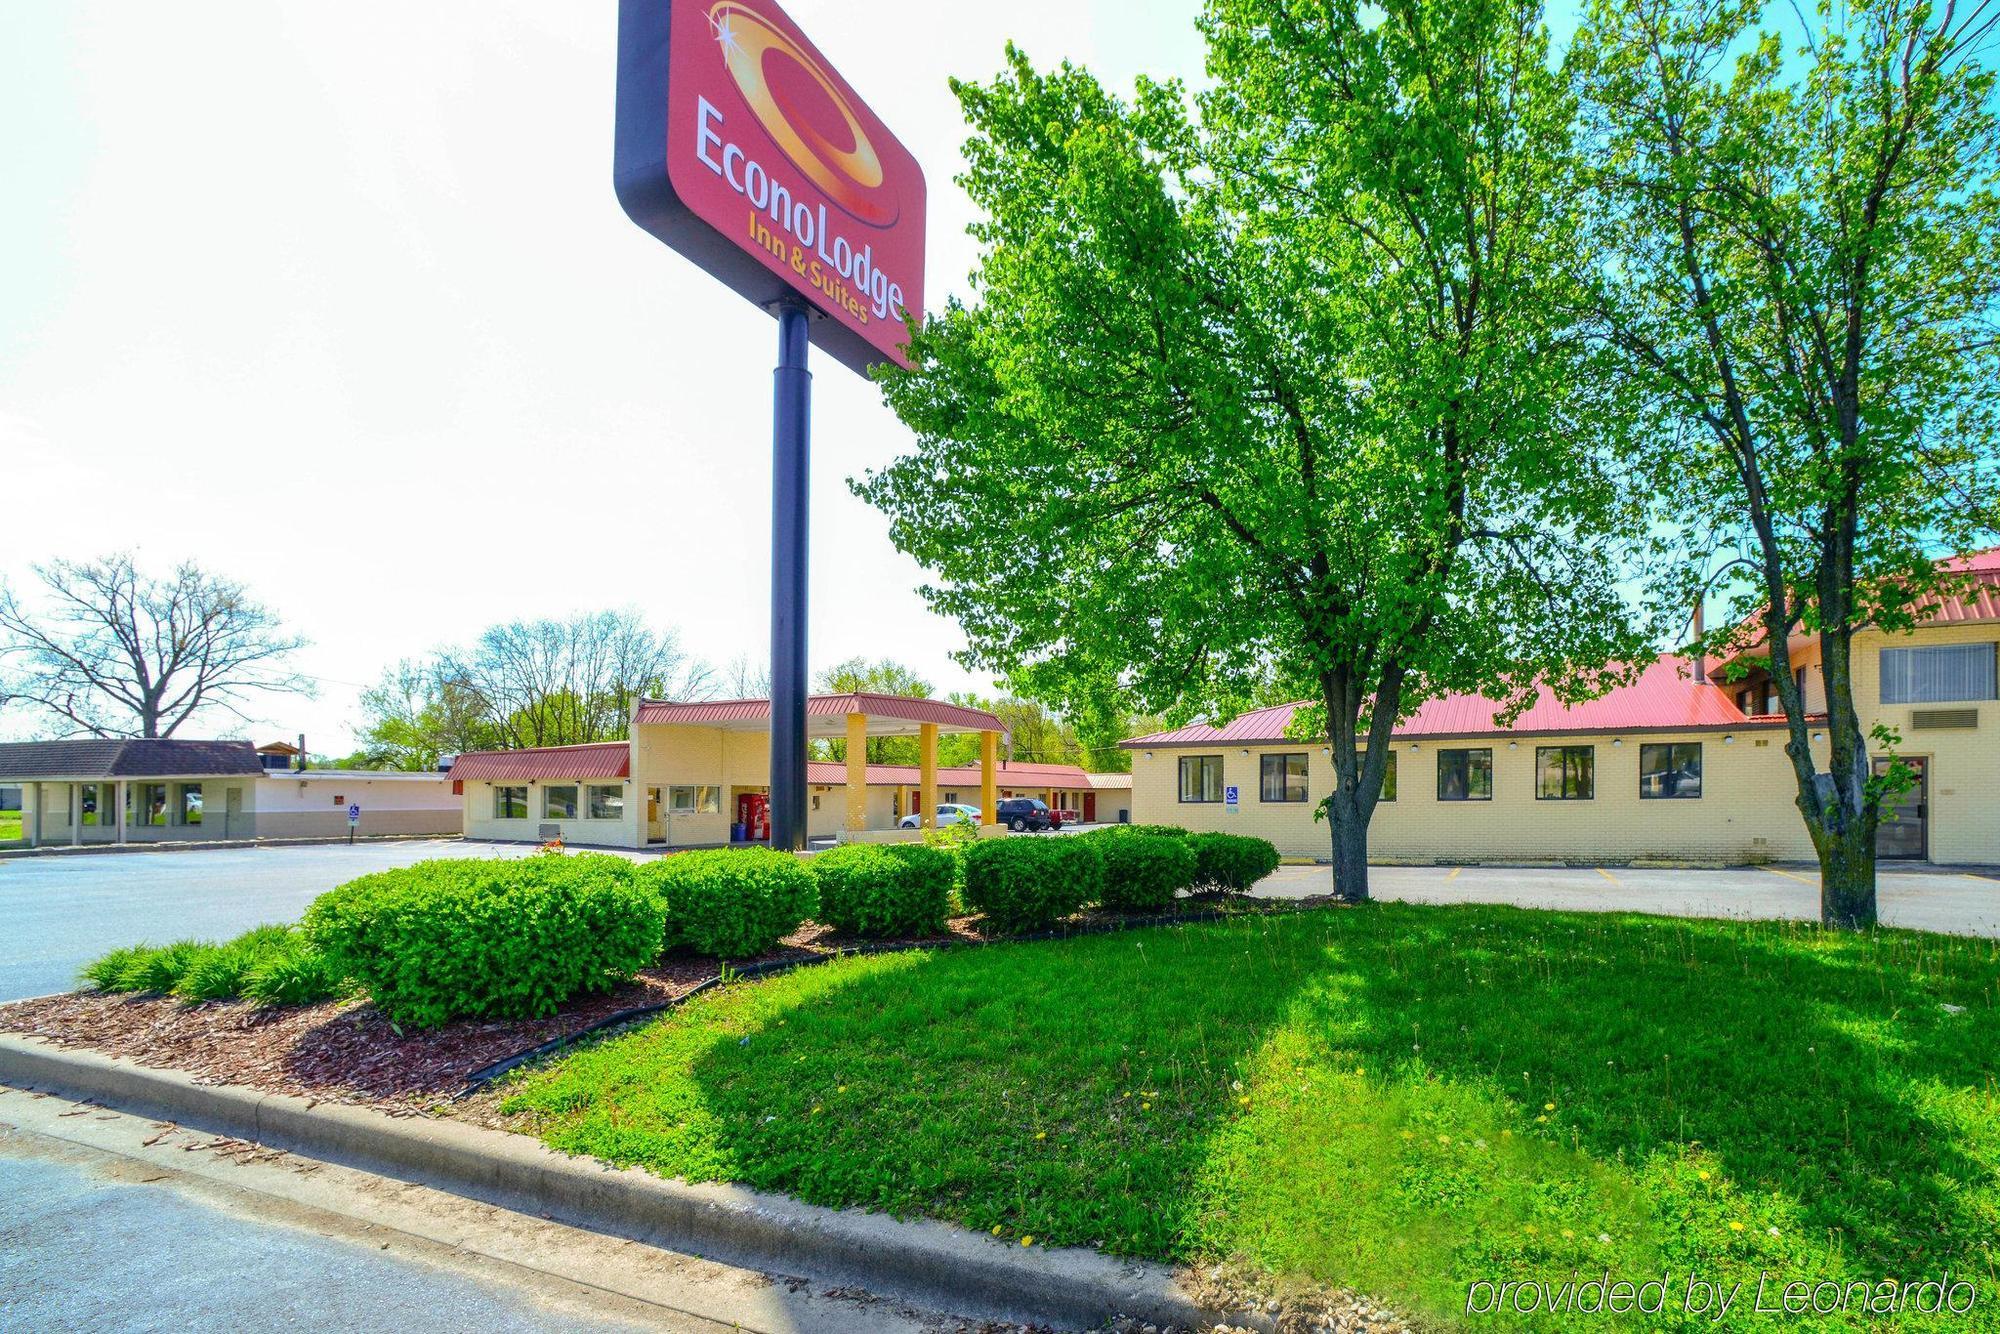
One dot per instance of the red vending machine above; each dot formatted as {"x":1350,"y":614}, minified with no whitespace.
{"x":753,"y":812}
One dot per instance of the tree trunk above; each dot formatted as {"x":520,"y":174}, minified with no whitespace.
{"x":1847,"y":878}
{"x":1350,"y":849}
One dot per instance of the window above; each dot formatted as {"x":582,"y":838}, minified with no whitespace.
{"x":188,"y":810}
{"x":510,"y":803}
{"x":607,"y":802}
{"x":559,"y":801}
{"x":1465,"y":775}
{"x":1565,"y":773}
{"x":1201,"y":778}
{"x":1947,"y":672}
{"x":1283,"y":778}
{"x":149,"y":803}
{"x":92,"y":801}
{"x":694,"y":799}
{"x":1670,"y":769}
{"x":1389,"y":779}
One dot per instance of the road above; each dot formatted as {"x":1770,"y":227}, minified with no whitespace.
{"x":116,"y":1222}
{"x":1935,"y":899}
{"x":59,"y":912}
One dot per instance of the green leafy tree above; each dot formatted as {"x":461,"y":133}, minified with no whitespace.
{"x":1279,"y":380}
{"x":881,"y":677}
{"x":1796,"y":256}
{"x":418,"y":714}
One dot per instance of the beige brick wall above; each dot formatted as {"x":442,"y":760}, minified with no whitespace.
{"x":1746,"y":812}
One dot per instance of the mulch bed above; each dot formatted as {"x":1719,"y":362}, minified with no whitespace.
{"x":345,"y":1051}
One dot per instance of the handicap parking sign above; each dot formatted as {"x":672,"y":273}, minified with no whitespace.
{"x":1229,"y":797}
{"x":354,"y":814}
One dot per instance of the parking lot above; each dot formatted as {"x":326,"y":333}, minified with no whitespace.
{"x":59,"y":912}
{"x":1958,"y":902}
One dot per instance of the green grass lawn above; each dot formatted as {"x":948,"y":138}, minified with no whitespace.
{"x":1402,"y":1099}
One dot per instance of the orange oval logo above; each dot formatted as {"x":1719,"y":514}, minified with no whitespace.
{"x":802,"y":109}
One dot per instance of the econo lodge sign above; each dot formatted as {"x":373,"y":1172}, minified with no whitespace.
{"x":740,"y":147}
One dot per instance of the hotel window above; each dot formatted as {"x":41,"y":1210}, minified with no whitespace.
{"x":1565,"y":773}
{"x":694,"y":799}
{"x":1282,"y":778}
{"x":607,"y":802}
{"x":1201,"y":778}
{"x":510,"y":803}
{"x":1670,"y":769}
{"x":187,"y":810}
{"x":92,"y":800}
{"x":1388,"y":778}
{"x":559,"y":802}
{"x":1947,"y":673}
{"x":1465,"y":775}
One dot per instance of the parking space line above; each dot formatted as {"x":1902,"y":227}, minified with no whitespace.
{"x":1606,"y":874}
{"x":1454,"y":872}
{"x":1789,"y":876}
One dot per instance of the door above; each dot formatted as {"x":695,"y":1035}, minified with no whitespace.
{"x":1090,"y":808}
{"x":654,"y":833}
{"x":1904,"y":833}
{"x":232,"y":812}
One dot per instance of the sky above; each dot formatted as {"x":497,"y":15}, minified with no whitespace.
{"x":337,"y":301}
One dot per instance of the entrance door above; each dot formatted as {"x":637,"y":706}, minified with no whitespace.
{"x":1905,"y":829}
{"x":1090,"y":808}
{"x":654,"y":833}
{"x":232,"y":813}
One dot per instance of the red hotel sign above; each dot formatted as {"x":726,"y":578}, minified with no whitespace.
{"x":740,"y":147}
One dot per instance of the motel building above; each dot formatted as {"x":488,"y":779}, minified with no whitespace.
{"x":1683,"y":765}
{"x":89,"y":792}
{"x":698,"y":775}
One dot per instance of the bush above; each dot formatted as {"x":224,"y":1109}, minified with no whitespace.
{"x":1231,"y":861}
{"x":295,"y":974}
{"x":217,"y":972}
{"x":1026,"y":884}
{"x":107,"y":973}
{"x":898,"y":889}
{"x":161,"y":969}
{"x":1161,"y":830}
{"x":732,"y":903}
{"x":1143,"y":871}
{"x":443,"y":940}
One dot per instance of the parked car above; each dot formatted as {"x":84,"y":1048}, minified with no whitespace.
{"x":1022,"y":814}
{"x":949,"y":813}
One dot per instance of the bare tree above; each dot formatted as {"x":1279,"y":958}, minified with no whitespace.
{"x":120,"y":653}
{"x":560,"y":682}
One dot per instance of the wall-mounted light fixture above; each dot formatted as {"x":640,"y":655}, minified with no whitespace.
{"x":1149,"y":754}
{"x":1819,"y":736}
{"x":1729,"y":741}
{"x":1618,"y":741}
{"x":1513,"y":745}
{"x":1415,"y":746}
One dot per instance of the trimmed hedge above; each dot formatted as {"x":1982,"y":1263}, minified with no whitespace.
{"x":443,"y":940}
{"x":1142,"y":870}
{"x":1027,"y":884}
{"x":897,"y":889}
{"x":732,"y":903}
{"x":1232,"y":861}
{"x":1162,"y":830}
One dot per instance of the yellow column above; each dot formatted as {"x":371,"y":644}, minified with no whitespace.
{"x":857,"y":771}
{"x":989,"y":778}
{"x":927,"y":735}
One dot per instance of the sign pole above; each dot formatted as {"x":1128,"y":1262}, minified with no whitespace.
{"x":791,"y":456}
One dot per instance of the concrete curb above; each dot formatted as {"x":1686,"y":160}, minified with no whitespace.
{"x":931,"y":1264}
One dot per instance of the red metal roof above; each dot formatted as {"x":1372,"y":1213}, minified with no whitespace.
{"x":1980,"y":603}
{"x":952,"y":717}
{"x":598,"y":759}
{"x":834,"y":774}
{"x":1664,"y":698}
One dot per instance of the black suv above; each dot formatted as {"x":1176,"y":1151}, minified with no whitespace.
{"x":1021,"y":814}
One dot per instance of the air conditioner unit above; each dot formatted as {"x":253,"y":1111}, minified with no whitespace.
{"x":1929,"y":720}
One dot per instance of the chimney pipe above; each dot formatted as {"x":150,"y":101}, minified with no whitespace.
{"x":1701,"y":653}
{"x":302,"y":752}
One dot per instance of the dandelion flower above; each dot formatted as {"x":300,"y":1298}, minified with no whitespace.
{"x":841,"y":1089}
{"x":1243,"y":1101}
{"x":1027,"y":1241}
{"x":1568,"y":1235}
{"x":1703,"y":1174}
{"x":1541,"y":1120}
{"x":996,"y":1229}
{"x":1145,"y":1106}
{"x":816,"y":1109}
{"x":1041,"y":1134}
{"x":1548,"y":1107}
{"x":1735,"y":1226}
